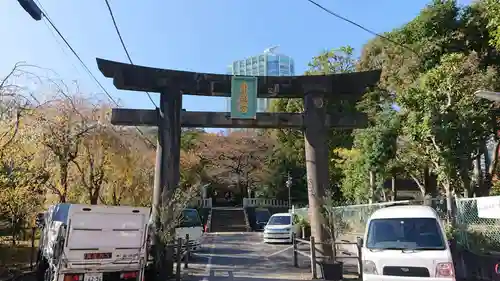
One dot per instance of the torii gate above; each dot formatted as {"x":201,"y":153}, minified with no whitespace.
{"x":315,"y":121}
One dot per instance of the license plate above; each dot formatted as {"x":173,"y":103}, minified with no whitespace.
{"x":96,"y":256}
{"x":92,"y":277}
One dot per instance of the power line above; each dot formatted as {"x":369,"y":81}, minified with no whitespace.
{"x":47,"y":18}
{"x":361,"y":27}
{"x":123,"y":43}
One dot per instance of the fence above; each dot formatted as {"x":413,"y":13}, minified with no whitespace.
{"x":472,"y":232}
{"x":352,"y":219}
{"x":478,"y":232}
{"x":311,"y":254}
{"x":201,"y":202}
{"x":263,"y":202}
{"x":180,"y":246}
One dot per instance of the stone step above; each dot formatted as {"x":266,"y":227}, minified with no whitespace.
{"x":228,"y":220}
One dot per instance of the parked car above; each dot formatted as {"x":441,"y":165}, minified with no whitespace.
{"x":280,"y":228}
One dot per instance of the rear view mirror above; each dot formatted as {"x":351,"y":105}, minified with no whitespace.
{"x":40,"y":220}
{"x":359,"y":242}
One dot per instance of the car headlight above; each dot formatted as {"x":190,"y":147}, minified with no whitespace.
{"x":369,"y":267}
{"x":286,"y":230}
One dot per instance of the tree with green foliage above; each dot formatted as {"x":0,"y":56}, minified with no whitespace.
{"x":442,"y":115}
{"x":492,"y":10}
{"x":444,"y":51}
{"x":291,"y":141}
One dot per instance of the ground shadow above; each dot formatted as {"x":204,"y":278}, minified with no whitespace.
{"x":229,"y":251}
{"x":16,"y":256}
{"x":231,"y":276}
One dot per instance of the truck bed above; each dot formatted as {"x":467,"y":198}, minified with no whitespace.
{"x":105,"y":235}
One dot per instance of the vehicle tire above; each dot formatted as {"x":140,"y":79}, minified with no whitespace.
{"x":44,"y":272}
{"x":41,"y":267}
{"x":48,"y":275}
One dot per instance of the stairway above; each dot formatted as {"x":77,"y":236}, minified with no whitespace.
{"x":228,"y":219}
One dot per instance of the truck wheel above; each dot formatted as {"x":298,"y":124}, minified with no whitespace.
{"x":48,"y":275}
{"x":41,"y":269}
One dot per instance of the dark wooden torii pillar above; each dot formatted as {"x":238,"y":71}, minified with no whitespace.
{"x":169,"y":118}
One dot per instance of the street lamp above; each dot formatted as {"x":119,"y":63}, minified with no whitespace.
{"x":489,"y":95}
{"x":289,"y":186}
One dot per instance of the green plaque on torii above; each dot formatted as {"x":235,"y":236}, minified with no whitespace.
{"x":244,"y":97}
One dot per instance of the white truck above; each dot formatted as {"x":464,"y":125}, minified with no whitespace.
{"x":93,"y":243}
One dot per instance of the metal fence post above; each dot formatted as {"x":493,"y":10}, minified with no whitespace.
{"x":186,"y":256}
{"x":360,"y":261}
{"x":178,"y":258}
{"x":294,"y":243}
{"x":313,"y":258}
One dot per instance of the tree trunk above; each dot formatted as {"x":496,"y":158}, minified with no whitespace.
{"x":464,"y":175}
{"x":449,"y":202}
{"x":478,"y":174}
{"x":393,"y":187}
{"x":494,"y":160}
{"x":426,"y":183}
{"x":490,"y":164}
{"x":13,"y":229}
{"x":93,"y":199}
{"x":63,"y":181}
{"x":372,"y":188}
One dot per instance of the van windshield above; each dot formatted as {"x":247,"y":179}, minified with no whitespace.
{"x":280,"y":220}
{"x":262,"y":215}
{"x":190,"y":218}
{"x":405,"y":234}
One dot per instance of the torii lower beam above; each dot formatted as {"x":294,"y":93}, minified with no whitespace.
{"x":199,"y":119}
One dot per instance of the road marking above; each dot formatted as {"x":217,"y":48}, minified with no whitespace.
{"x":280,"y":251}
{"x":208,"y":270}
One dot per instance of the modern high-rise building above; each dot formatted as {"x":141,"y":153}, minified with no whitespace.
{"x":269,"y":63}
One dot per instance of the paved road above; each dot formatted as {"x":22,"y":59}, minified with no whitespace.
{"x":244,"y":257}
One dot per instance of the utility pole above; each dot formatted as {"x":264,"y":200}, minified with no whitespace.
{"x":289,"y":186}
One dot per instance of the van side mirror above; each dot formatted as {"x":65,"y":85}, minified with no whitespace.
{"x":359,"y":242}
{"x":40,"y":220}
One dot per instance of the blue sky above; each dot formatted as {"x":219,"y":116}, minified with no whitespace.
{"x":194,"y":35}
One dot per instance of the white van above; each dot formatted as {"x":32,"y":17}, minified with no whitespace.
{"x":406,"y":243}
{"x":280,"y":227}
{"x":190,"y":224}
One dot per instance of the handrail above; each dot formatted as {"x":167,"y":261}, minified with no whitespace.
{"x":312,"y":253}
{"x":184,"y":255}
{"x":209,"y":221}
